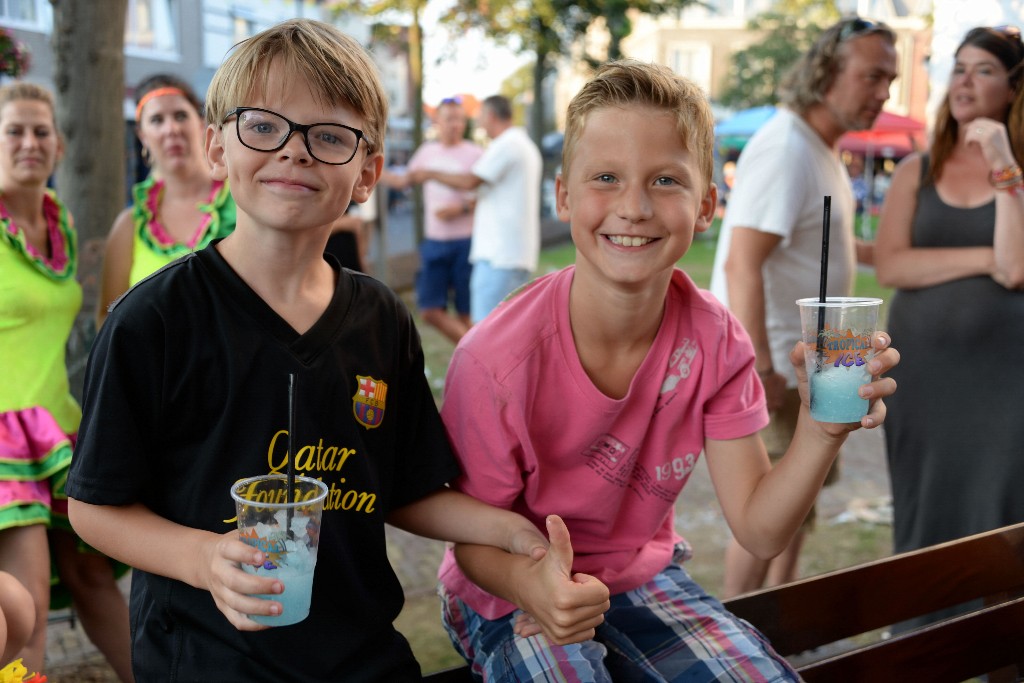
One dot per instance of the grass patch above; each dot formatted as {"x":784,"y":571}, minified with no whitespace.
{"x":420,"y":622}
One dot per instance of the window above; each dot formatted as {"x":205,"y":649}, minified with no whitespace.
{"x":151,"y":26}
{"x":692,"y":60}
{"x":243,"y":28}
{"x":19,"y":10}
{"x":32,"y":15}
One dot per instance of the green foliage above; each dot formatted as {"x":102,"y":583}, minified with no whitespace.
{"x":372,"y":8}
{"x":555,"y":25}
{"x":786,"y":33}
{"x":551,"y":27}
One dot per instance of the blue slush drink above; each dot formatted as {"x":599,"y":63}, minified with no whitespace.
{"x":834,"y":394}
{"x":285,"y":526}
{"x":297,"y":578}
{"x":837,"y":347}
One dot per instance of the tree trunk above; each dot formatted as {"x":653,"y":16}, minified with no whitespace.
{"x":537,"y":111}
{"x":88,"y":48}
{"x":416,"y":69}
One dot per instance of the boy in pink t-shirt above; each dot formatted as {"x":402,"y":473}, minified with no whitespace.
{"x":590,"y":395}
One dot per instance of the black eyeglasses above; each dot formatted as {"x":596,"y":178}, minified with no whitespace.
{"x":856,"y":27}
{"x":267,"y":131}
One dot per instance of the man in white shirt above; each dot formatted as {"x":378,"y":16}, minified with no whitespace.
{"x":769,"y":250}
{"x":506,"y":223}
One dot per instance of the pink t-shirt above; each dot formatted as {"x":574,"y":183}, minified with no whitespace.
{"x":534,"y":435}
{"x":457,"y":158}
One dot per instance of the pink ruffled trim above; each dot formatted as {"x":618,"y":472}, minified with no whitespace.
{"x":35,"y":455}
{"x":30,"y":435}
{"x":51,"y":212}
{"x":59,"y":231}
{"x":156,"y":228}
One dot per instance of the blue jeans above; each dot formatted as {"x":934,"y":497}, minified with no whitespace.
{"x":488,"y":286}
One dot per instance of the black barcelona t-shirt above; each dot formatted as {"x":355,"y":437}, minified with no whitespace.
{"x":187,"y":392}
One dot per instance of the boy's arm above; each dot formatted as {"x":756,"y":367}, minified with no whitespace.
{"x":503,"y":553}
{"x":137,"y":536}
{"x":449,"y":515}
{"x":763,"y":505}
{"x":566,"y":607}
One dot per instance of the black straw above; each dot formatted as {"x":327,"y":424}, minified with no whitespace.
{"x":826,"y":220}
{"x":291,"y":450}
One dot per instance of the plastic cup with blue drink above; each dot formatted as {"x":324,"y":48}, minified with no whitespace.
{"x":267,"y":512}
{"x":837,"y":337}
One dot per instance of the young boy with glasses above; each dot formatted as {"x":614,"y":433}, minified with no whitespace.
{"x":591,"y":393}
{"x":187,"y":392}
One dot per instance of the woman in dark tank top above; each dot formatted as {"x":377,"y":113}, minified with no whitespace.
{"x":951,"y":241}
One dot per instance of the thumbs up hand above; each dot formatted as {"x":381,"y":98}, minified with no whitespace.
{"x":565,"y":607}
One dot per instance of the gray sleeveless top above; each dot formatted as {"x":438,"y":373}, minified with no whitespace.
{"x":955,"y":427}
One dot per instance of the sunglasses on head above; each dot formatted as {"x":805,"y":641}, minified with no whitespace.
{"x":856,"y":27}
{"x":1009,"y":31}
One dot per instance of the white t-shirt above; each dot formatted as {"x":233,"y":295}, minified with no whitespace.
{"x":506,"y":224}
{"x":782,"y":177}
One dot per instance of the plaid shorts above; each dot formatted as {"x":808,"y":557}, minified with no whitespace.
{"x":669,"y":629}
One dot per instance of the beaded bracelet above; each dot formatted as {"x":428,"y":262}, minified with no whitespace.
{"x":1007,"y":178}
{"x":1017,"y":189}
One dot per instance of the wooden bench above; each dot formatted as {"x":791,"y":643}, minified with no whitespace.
{"x":845,"y":611}
{"x":831,"y":608}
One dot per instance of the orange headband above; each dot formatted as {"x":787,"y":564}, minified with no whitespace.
{"x":157,"y":92}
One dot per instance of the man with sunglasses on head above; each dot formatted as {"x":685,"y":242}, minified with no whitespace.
{"x":769,"y":249}
{"x":506,"y":223}
{"x":448,"y":222}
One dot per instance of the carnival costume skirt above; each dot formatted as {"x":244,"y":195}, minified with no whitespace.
{"x":35,"y":454}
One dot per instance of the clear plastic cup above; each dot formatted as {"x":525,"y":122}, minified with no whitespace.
{"x":266,"y":513}
{"x":837,"y":336}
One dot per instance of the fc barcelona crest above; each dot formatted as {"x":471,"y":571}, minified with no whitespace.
{"x":368,"y":403}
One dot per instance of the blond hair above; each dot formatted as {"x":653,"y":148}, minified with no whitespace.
{"x":336,"y":67}
{"x":20,"y":90}
{"x":630,"y":82}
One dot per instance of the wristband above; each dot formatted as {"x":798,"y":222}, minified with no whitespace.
{"x":765,"y":374}
{"x":1006,"y":178}
{"x":1016,"y":190}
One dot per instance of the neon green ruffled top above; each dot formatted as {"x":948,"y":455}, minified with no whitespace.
{"x":39,"y":299}
{"x":153,"y":247}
